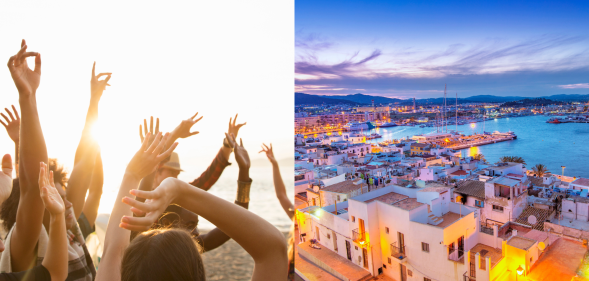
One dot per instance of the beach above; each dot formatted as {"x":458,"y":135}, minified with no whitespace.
{"x":229,"y":262}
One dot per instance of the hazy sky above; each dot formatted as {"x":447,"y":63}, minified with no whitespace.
{"x":168,"y":59}
{"x":412,"y":48}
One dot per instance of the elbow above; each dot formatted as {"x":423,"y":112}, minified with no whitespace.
{"x":59,"y":274}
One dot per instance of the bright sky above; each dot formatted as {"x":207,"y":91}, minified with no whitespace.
{"x":407,"y":48}
{"x":169,"y":60}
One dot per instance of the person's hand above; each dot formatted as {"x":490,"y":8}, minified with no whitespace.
{"x":26,"y":80}
{"x":183,"y":130}
{"x":12,"y":125}
{"x":51,"y":198}
{"x":268,"y":152}
{"x":151,"y":132}
{"x":145,"y":161}
{"x":147,"y":213}
{"x":234,"y":129}
{"x":98,"y":86}
{"x":241,"y":156}
{"x":6,"y":178}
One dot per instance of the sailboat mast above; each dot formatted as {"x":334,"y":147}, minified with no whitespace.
{"x":456,"y":112}
{"x":445,"y":121}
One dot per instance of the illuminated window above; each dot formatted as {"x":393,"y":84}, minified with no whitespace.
{"x":386,"y":229}
{"x":389,"y":261}
{"x":353,"y":219}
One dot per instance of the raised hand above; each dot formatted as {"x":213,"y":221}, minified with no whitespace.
{"x":269,"y":153}
{"x":51,"y":198}
{"x":234,"y":129}
{"x":12,"y":125}
{"x":145,"y":161}
{"x":98,"y":86}
{"x":241,"y":156}
{"x":151,"y":132}
{"x":26,"y":80}
{"x":183,"y":130}
{"x":6,"y":178}
{"x":148,"y":212}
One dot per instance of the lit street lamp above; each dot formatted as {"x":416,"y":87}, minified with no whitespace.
{"x":563,"y":170}
{"x":520,"y":270}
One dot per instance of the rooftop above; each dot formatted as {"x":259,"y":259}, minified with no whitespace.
{"x":559,"y":262}
{"x":486,"y":251}
{"x":388,"y":198}
{"x":343,"y":187}
{"x":504,"y":181}
{"x":540,"y":214}
{"x":408,"y":204}
{"x":449,"y":218}
{"x":521,"y":242}
{"x":459,"y":173}
{"x":503,"y":166}
{"x":472,"y":188}
{"x":581,"y":181}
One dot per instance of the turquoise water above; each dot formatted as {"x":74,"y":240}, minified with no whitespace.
{"x":553,"y":145}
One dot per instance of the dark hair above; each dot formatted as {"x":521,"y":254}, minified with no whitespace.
{"x":59,"y":175}
{"x":10,"y":206}
{"x":163,"y":254}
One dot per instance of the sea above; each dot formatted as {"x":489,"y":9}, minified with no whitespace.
{"x":538,"y":142}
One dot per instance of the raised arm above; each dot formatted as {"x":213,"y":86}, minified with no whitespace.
{"x":56,"y":257}
{"x":116,"y":239}
{"x":214,"y":171}
{"x":147,"y":182}
{"x":29,"y":215}
{"x":260,"y":239}
{"x":95,"y":192}
{"x":217,"y":237}
{"x":279,"y":187}
{"x":12,"y":126}
{"x":85,"y":157}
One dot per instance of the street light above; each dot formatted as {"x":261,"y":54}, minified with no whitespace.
{"x":563,"y":170}
{"x":520,"y":270}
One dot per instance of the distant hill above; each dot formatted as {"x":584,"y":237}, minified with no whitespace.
{"x":302,"y":98}
{"x":366,"y":99}
{"x":531,"y":102}
{"x":490,"y":98}
{"x":569,"y":97}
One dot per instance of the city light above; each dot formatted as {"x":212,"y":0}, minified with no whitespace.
{"x":472,"y":125}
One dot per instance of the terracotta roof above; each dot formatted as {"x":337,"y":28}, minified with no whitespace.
{"x":388,"y":198}
{"x":459,"y":173}
{"x":521,"y":242}
{"x":408,"y":204}
{"x":351,"y":154}
{"x":472,"y":188}
{"x":515,"y":175}
{"x":540,"y":214}
{"x":537,"y":181}
{"x":343,"y":187}
{"x":419,"y":144}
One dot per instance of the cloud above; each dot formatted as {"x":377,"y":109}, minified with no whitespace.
{"x":346,"y":67}
{"x":575,"y":86}
{"x":312,"y":42}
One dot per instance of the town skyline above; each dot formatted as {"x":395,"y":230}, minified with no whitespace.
{"x":412,"y":50}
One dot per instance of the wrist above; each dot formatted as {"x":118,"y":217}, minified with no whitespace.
{"x":243,"y":191}
{"x":244,"y":174}
{"x":131,"y":176}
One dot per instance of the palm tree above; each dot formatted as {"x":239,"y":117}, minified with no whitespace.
{"x":515,"y":159}
{"x":540,"y":170}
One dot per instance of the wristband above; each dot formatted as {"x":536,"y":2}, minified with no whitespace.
{"x":225,"y":144}
{"x":243,"y":191}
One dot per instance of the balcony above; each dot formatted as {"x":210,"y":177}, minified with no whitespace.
{"x":456,"y":255}
{"x":398,"y":252}
{"x":359,"y":237}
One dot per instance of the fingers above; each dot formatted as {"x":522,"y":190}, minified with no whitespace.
{"x":195,"y":116}
{"x":5,"y":126}
{"x":145,"y":142}
{"x":103,"y":74}
{"x":191,"y":134}
{"x":230,"y":141}
{"x":145,"y":194}
{"x":265,"y":146}
{"x":11,"y":63}
{"x":9,"y":113}
{"x":138,"y":228}
{"x":137,"y":212}
{"x":157,"y":125}
{"x":270,"y":146}
{"x":93,"y":68}
{"x":240,"y":125}
{"x":145,"y":126}
{"x":161,"y":144}
{"x":7,"y":120}
{"x":140,"y":222}
{"x":15,"y":112}
{"x":240,"y":142}
{"x":155,"y":143}
{"x":145,"y":207}
{"x":151,"y":124}
{"x":197,"y":120}
{"x":38,"y":64}
{"x":7,"y":165}
{"x":141,"y":133}
{"x":167,"y":153}
{"x":41,"y":174}
{"x":234,"y":120}
{"x":51,"y":180}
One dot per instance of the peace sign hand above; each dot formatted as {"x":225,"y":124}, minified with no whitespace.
{"x":98,"y":86}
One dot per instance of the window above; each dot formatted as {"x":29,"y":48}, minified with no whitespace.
{"x":386,"y":229}
{"x":480,"y":204}
{"x":328,"y":236}
{"x":353,"y":219}
{"x":356,"y":248}
{"x":426,"y":279}
{"x":497,"y":208}
{"x":389,"y":260}
{"x":425,"y":247}
{"x":338,"y":198}
{"x":384,"y":265}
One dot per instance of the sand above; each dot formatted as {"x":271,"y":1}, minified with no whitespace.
{"x":229,"y":262}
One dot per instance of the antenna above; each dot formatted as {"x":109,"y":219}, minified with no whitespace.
{"x":445,"y":121}
{"x":456,"y":112}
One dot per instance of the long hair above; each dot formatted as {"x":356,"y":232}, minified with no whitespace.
{"x":10,"y":206}
{"x":163,"y":254}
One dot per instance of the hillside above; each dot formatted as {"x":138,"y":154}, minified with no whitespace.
{"x":531,"y":102}
{"x":302,"y":98}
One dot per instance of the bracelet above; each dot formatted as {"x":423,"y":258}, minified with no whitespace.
{"x":225,"y":144}
{"x":243,"y":191}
